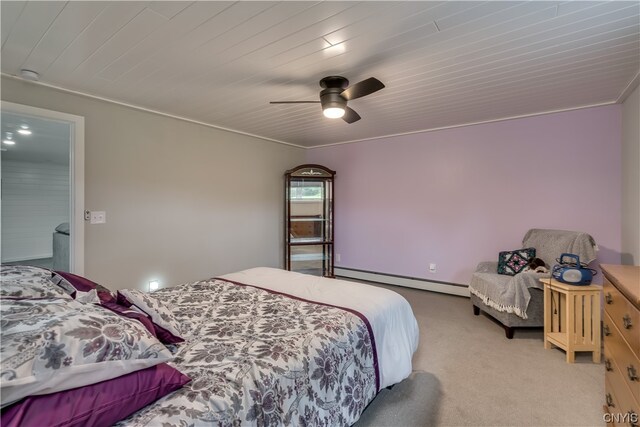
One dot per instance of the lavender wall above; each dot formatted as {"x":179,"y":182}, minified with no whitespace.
{"x":456,"y":197}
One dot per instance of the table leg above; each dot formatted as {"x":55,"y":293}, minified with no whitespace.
{"x":570,"y":325}
{"x":547,"y":315}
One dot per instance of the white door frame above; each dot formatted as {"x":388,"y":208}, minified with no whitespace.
{"x":76,"y":163}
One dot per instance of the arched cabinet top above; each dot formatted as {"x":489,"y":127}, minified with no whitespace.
{"x":310,"y":171}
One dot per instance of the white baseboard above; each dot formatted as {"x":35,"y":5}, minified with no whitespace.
{"x":409,"y":282}
{"x":22,"y":258}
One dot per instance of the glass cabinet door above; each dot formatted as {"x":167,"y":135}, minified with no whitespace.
{"x":309,"y":220}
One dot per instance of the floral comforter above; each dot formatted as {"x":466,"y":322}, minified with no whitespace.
{"x":257,"y":357}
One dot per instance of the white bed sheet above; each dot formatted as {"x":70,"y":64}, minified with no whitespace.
{"x":394,"y":326}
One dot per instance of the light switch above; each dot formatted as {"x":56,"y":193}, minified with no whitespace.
{"x":98,"y":217}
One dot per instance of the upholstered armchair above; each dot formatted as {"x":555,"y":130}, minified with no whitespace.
{"x":517,"y":301}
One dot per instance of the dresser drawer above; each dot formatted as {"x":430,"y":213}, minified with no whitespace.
{"x":611,"y":405}
{"x":624,"y":400}
{"x":624,"y":358}
{"x":624,"y":315}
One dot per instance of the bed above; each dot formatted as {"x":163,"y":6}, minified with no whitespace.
{"x":270,"y":347}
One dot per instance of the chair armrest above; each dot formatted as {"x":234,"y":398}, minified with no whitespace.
{"x":487,"y":267}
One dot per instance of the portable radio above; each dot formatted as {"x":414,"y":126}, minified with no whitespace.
{"x":569,"y":270}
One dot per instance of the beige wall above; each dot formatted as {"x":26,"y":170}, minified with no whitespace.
{"x":183,"y":201}
{"x":631,"y":179}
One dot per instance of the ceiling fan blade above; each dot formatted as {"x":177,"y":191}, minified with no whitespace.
{"x":363,"y":88}
{"x":350,"y":115}
{"x":294,"y":102}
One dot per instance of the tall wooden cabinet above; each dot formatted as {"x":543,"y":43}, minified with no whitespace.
{"x":621,"y":325}
{"x":309,"y":220}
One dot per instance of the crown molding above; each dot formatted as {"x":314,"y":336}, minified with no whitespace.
{"x":629,"y":88}
{"x":148,"y":110}
{"x":502,"y":119}
{"x":625,"y":93}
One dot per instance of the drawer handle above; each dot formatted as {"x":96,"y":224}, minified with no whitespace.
{"x":610,"y":403}
{"x":626,"y":321}
{"x":633,"y":419}
{"x":606,"y":330}
{"x":607,"y":365}
{"x":608,"y":298}
{"x":631,"y":372}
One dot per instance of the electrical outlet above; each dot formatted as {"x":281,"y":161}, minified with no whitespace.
{"x":337,"y":257}
{"x":98,"y":217}
{"x":432,"y":268}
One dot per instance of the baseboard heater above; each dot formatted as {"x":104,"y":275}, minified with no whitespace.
{"x":409,"y":282}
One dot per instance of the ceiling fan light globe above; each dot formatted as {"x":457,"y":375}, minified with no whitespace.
{"x":333,"y":112}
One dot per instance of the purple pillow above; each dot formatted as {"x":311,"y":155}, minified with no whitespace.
{"x":122,"y":307}
{"x":100,"y":404}
{"x":83,"y":284}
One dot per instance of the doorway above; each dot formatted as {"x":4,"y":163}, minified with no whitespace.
{"x":42,"y":192}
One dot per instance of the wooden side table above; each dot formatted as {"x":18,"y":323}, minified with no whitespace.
{"x":572,"y":318}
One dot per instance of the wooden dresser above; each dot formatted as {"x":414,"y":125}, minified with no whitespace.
{"x":622,"y":344}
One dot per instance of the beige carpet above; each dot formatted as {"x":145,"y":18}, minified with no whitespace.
{"x":466,"y":373}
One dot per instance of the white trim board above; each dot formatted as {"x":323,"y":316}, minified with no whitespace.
{"x":407,"y":282}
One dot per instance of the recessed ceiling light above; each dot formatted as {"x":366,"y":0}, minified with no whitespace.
{"x":9,"y":141}
{"x":24,"y":131}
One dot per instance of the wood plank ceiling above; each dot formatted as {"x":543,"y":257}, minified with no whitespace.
{"x":444,"y":63}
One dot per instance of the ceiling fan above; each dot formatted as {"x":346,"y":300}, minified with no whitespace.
{"x":335,"y":94}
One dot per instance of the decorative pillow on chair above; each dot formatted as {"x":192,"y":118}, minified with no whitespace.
{"x":513,"y":262}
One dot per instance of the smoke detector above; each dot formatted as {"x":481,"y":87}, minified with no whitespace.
{"x":29,"y":75}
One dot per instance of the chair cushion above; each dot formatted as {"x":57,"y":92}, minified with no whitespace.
{"x":513,"y":262}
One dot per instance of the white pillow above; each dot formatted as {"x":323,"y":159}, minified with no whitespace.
{"x":159,"y":311}
{"x":51,"y":345}
{"x":90,"y":297}
{"x":25,"y":281}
